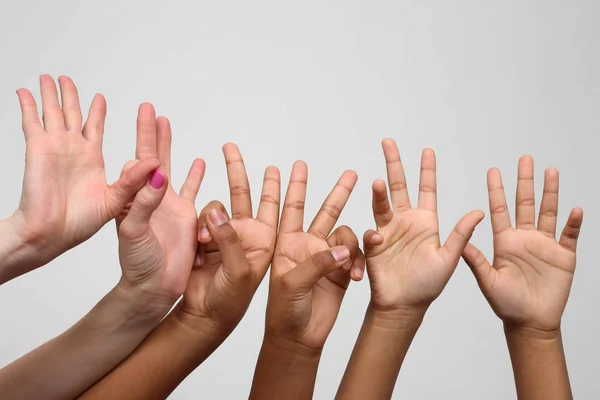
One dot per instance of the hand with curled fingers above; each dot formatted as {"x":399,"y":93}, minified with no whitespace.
{"x":309,"y":276}
{"x":234,"y":254}
{"x":65,"y":198}
{"x":157,"y":232}
{"x":529,"y":281}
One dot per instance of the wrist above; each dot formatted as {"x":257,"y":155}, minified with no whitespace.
{"x":19,"y":251}
{"x":290,"y":349}
{"x":531,"y":332}
{"x":401,"y":318}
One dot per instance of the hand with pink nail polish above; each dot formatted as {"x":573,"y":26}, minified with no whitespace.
{"x":157,"y":231}
{"x":65,"y":198}
{"x":309,"y":276}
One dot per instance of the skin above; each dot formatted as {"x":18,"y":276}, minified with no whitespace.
{"x":529,"y":281}
{"x":65,"y":198}
{"x":232,"y":259}
{"x":150,"y":284}
{"x":408,"y":268}
{"x":309,"y":278}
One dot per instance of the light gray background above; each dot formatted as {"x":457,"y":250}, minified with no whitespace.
{"x":480,"y":82}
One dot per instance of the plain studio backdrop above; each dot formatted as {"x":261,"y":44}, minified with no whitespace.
{"x":480,"y":82}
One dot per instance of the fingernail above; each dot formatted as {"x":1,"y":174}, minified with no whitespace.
{"x":157,"y":180}
{"x":217,"y":217}
{"x":358,"y":273}
{"x":204,"y":233}
{"x":340,"y":253}
{"x":199,"y":260}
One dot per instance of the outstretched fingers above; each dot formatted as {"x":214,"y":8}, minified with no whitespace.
{"x":52,"y":114}
{"x":192,"y":183}
{"x":70,"y":105}
{"x":270,"y":199}
{"x":498,"y":209}
{"x":549,"y":207}
{"x":292,"y":217}
{"x":395,"y":174}
{"x":525,"y":200}
{"x":239,"y":187}
{"x":427,"y":182}
{"x":460,"y":236}
{"x":30,"y":120}
{"x":333,"y":205}
{"x":482,"y":270}
{"x":570,"y":233}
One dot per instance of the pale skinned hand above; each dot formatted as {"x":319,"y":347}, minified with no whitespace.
{"x":407,"y":265}
{"x":310,"y":270}
{"x":66,"y":198}
{"x":529,"y":282}
{"x":157,"y":233}
{"x":233,"y":255}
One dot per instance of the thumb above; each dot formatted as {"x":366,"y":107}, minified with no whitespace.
{"x":321,"y":264}
{"x":481,"y":268}
{"x":234,"y":258}
{"x":131,"y":181}
{"x":145,"y":203}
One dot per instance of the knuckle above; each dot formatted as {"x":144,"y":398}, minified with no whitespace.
{"x":499,"y":209}
{"x":526,"y":201}
{"x":298,"y":205}
{"x":397,"y":186}
{"x":332,"y":210}
{"x":265,"y":198}
{"x":428,"y":188}
{"x":239,"y":190}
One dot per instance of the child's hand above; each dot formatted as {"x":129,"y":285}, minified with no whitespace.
{"x":310,"y":271}
{"x":233,"y":255}
{"x":157,"y":233}
{"x":65,"y":197}
{"x":529,"y":282}
{"x":407,"y":267}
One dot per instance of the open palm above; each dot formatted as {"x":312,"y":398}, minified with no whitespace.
{"x":406,"y":264}
{"x":529,"y":282}
{"x":65,"y":197}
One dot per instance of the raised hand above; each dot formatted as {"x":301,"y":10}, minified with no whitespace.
{"x":157,"y":233}
{"x":65,"y":198}
{"x":407,"y":266}
{"x":310,"y":270}
{"x":529,"y":281}
{"x":234,"y":254}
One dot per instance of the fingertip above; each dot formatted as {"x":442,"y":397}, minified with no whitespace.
{"x":552,"y":172}
{"x":217,"y":217}
{"x":164,"y":121}
{"x":300,"y":164}
{"x":377,"y":239}
{"x":350,"y":174}
{"x":428,"y":152}
{"x":379,"y":186}
{"x":526,"y":158}
{"x":387,"y":142}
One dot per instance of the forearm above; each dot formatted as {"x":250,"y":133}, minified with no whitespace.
{"x":539,"y":364}
{"x":168,"y":355}
{"x":382,"y":344}
{"x":285,"y":370}
{"x":67,"y":365}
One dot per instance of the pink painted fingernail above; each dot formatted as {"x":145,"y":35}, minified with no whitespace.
{"x":217,"y":217}
{"x":340,"y":253}
{"x":157,"y":179}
